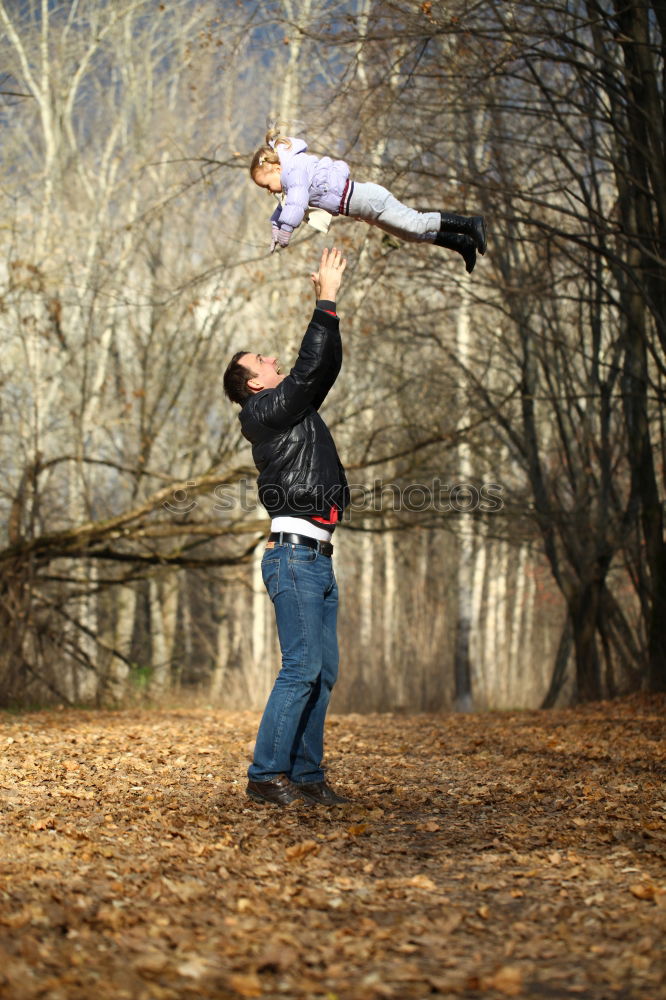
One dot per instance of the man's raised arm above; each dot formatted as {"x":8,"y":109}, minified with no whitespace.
{"x":327,"y":282}
{"x":328,"y":278}
{"x":319,"y":357}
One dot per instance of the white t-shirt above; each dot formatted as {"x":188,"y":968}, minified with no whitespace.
{"x":301,"y":526}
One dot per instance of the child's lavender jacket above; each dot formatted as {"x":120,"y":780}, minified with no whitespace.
{"x":307,"y":180}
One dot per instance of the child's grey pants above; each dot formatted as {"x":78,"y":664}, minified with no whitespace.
{"x":374,"y":204}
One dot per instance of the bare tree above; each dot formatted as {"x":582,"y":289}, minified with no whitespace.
{"x":117,"y":306}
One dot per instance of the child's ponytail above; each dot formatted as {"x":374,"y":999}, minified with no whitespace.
{"x":264,"y":155}
{"x":274,"y":135}
{"x":267,"y":153}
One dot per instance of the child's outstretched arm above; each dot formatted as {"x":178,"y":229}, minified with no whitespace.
{"x":292,"y":211}
{"x":275,"y":230}
{"x":295,"y":206}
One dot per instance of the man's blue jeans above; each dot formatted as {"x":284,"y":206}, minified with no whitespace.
{"x":301,"y":584}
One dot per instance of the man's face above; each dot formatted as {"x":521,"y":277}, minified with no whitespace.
{"x":267,"y":371}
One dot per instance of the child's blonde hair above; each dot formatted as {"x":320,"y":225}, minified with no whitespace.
{"x":267,"y":154}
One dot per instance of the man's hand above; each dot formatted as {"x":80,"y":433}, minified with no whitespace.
{"x":328,"y":278}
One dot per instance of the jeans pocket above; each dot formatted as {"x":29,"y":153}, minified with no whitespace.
{"x":270,"y":573}
{"x":302,"y":554}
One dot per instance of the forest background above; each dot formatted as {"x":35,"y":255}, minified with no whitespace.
{"x":503,"y":432}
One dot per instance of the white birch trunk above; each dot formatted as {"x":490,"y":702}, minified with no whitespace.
{"x":392,"y":670}
{"x":503,"y":669}
{"x":477,"y":640}
{"x":298,"y":13}
{"x":227,"y":634}
{"x":366,"y":590}
{"x":158,"y":646}
{"x":527,"y":634}
{"x":80,"y":633}
{"x":170,"y":599}
{"x":121,"y":640}
{"x":186,"y":613}
{"x":222,"y":657}
{"x":465,"y":569}
{"x":258,"y":612}
{"x":85,"y":682}
{"x":163,"y":603}
{"x":516,"y":637}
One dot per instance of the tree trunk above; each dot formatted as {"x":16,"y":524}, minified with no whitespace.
{"x":560,"y":667}
{"x":583,"y":611}
{"x":462,"y":668}
{"x":117,"y":639}
{"x":163,"y":616}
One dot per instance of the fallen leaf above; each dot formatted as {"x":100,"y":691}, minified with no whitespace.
{"x":643,"y":890}
{"x":301,"y":849}
{"x":277,"y":957}
{"x":42,"y":824}
{"x":185,"y":889}
{"x":151,"y":962}
{"x":507,"y":980}
{"x":357,"y":829}
{"x":245,"y":984}
{"x":422,"y":882}
{"x":194,"y":968}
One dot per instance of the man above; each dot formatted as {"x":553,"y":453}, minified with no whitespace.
{"x":303,"y":486}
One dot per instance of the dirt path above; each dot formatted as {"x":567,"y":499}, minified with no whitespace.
{"x":486,"y":856}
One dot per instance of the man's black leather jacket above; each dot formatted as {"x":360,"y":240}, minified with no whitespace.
{"x":300,"y":473}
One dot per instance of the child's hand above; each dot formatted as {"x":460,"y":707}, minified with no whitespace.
{"x":279,"y":237}
{"x":328,"y":278}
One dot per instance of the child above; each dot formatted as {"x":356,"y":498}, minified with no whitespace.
{"x":283,"y":166}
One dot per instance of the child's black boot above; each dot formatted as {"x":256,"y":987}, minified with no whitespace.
{"x":464,"y":245}
{"x":473,"y":225}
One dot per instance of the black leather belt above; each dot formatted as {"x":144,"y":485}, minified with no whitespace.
{"x":324,"y":548}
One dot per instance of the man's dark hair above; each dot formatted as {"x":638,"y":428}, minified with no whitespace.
{"x":236,"y":378}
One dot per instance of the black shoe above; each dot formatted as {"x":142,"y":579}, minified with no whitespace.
{"x":468,"y":225}
{"x":279,"y":790}
{"x":321,"y":794}
{"x":464,"y":245}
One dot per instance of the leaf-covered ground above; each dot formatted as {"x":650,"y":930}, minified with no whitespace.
{"x":485,"y":855}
